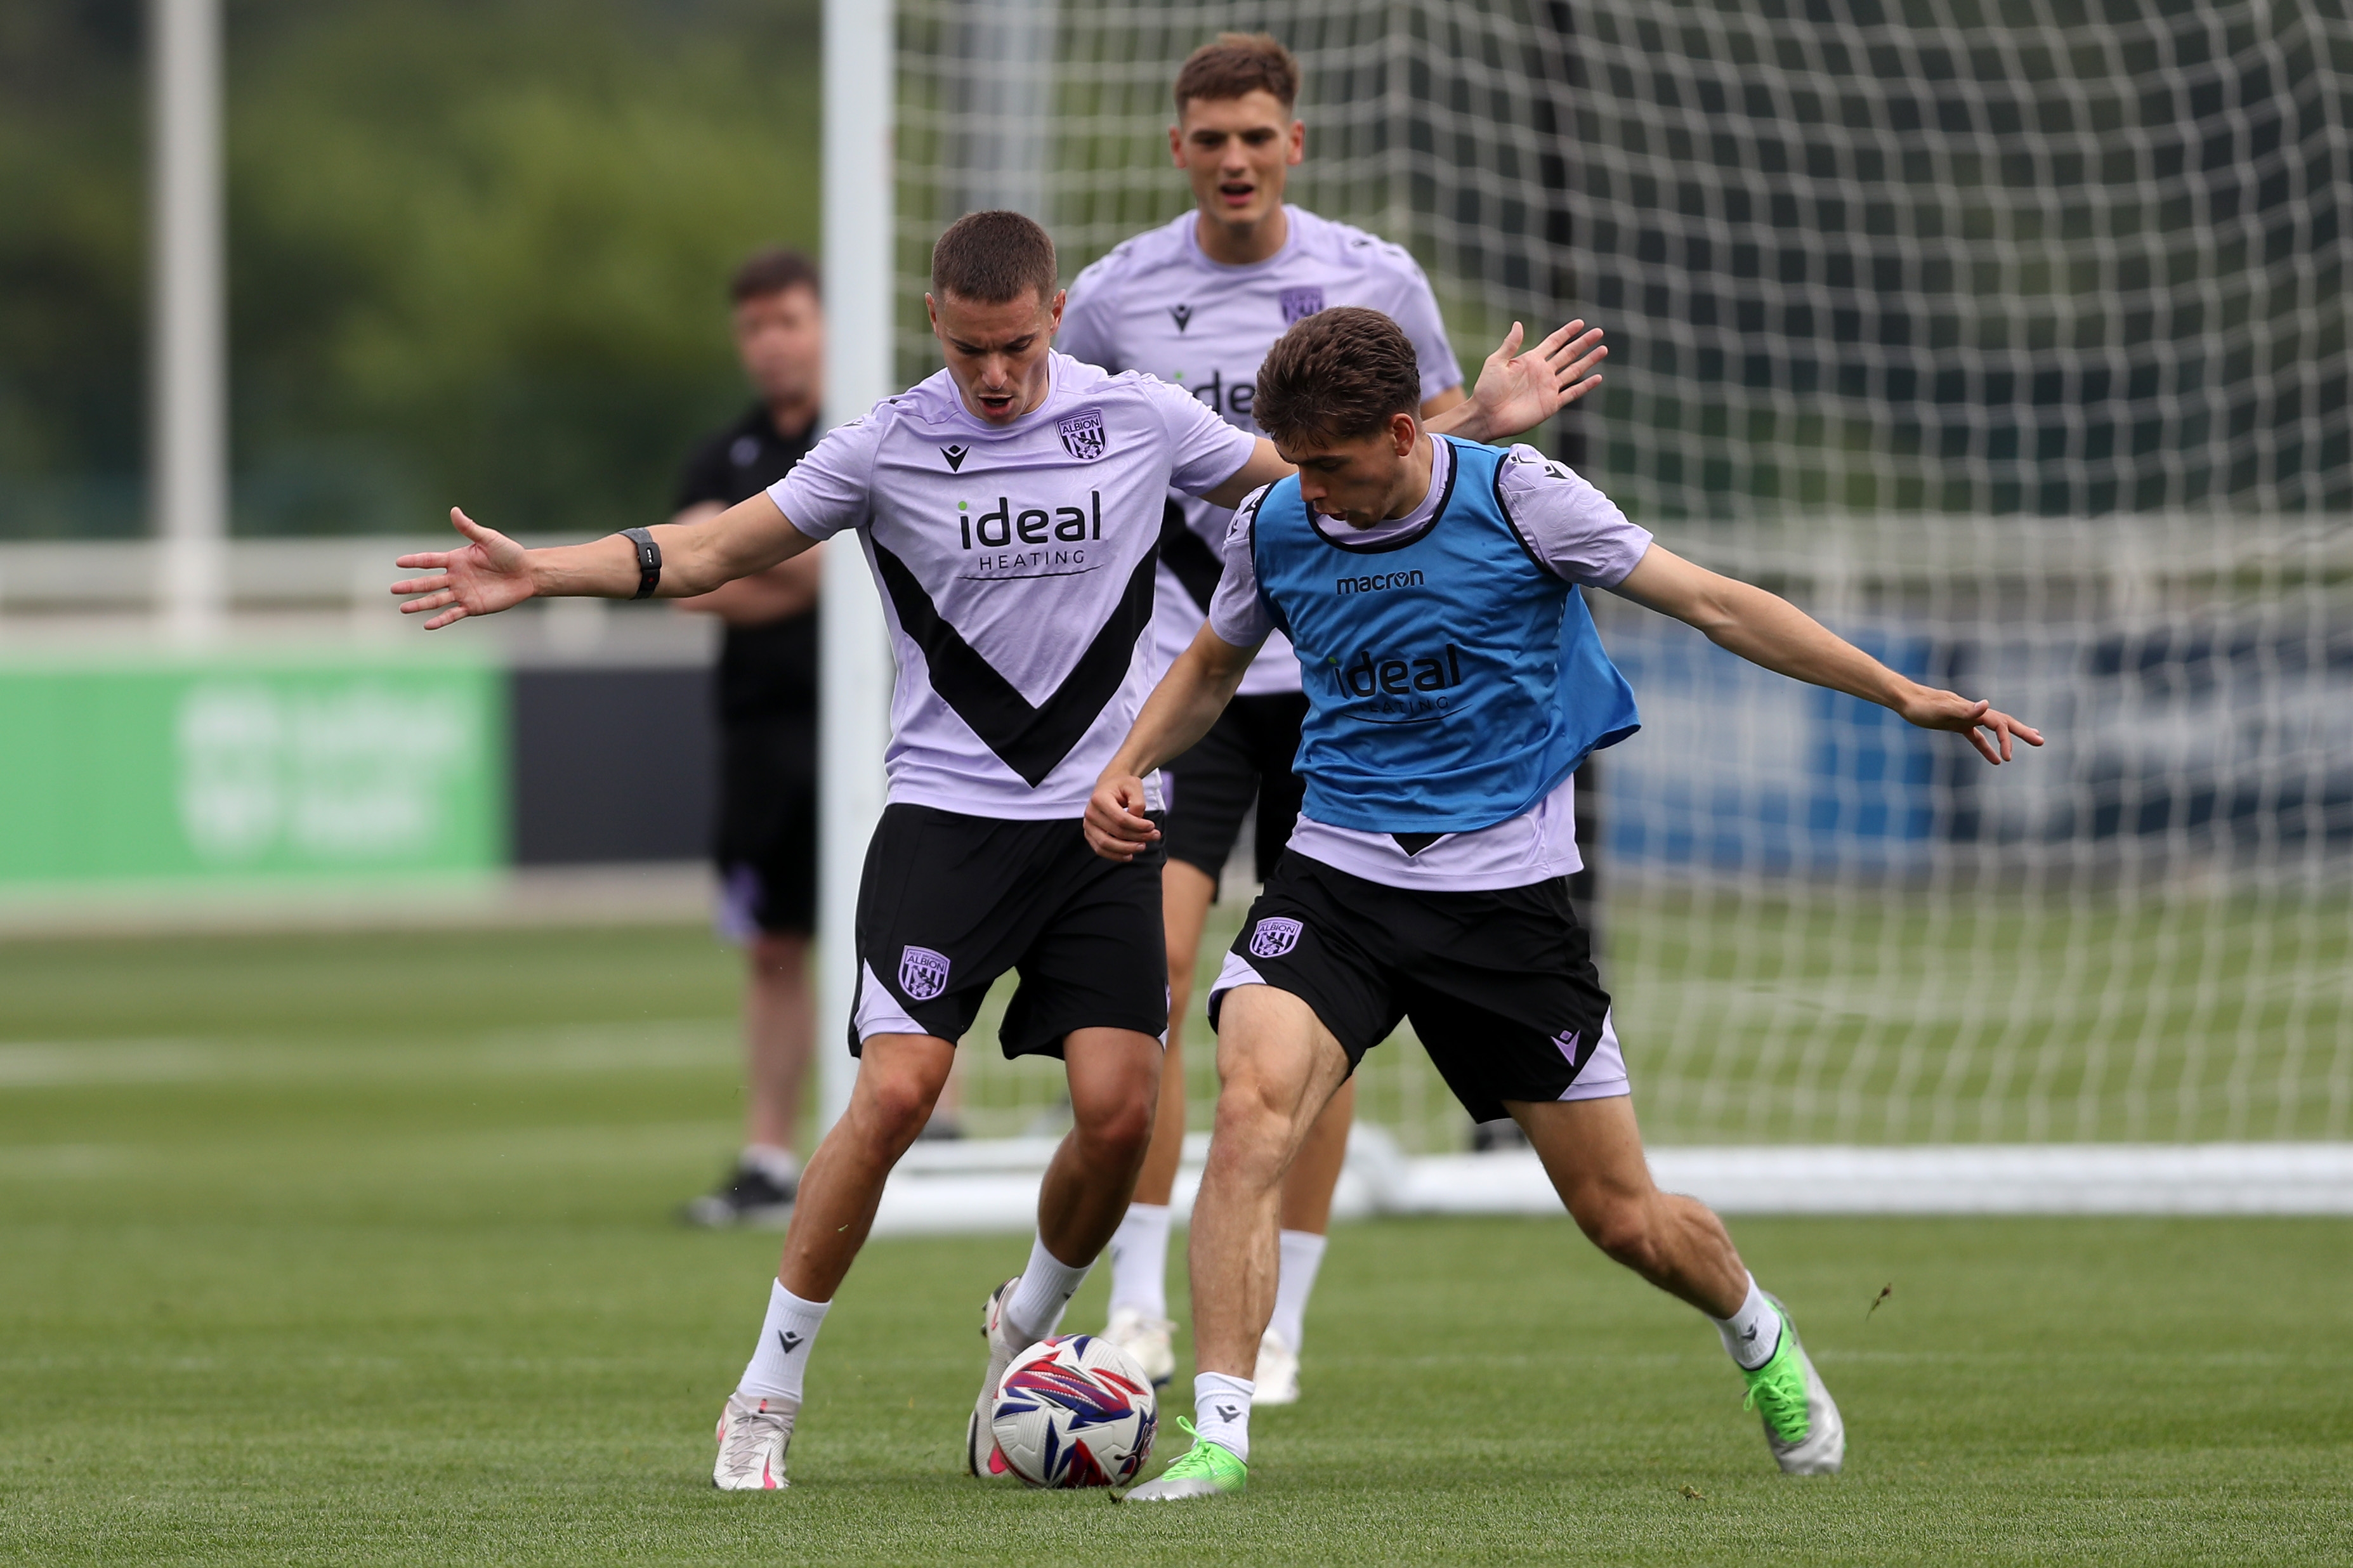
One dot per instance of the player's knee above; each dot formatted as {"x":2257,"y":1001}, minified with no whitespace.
{"x":1119,"y":1133}
{"x":1255,"y":1111}
{"x":1621,"y":1224}
{"x":781,"y":954}
{"x":1114,"y":1120}
{"x":1118,"y":1121}
{"x":899,"y":1101}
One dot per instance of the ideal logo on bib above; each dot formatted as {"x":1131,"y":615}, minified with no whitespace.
{"x":923,"y":974}
{"x":1274,"y":937}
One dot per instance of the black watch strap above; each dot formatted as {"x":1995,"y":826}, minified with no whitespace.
{"x":649,"y":560}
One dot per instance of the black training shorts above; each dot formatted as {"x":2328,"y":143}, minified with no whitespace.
{"x":949,"y":902}
{"x":766,"y":839}
{"x":1247,"y":754}
{"x":1500,"y":984}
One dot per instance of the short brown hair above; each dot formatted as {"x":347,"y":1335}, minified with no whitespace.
{"x":1337,"y":375}
{"x":772,"y":272}
{"x":1235,"y":64}
{"x":993,"y":258}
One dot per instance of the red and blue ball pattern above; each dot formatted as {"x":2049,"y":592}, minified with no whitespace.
{"x":1075,"y":1412}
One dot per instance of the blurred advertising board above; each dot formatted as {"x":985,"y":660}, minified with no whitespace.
{"x":250,"y":767}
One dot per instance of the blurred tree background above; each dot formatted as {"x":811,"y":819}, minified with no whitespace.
{"x":478,"y":252}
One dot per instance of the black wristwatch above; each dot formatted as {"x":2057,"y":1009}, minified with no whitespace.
{"x":649,"y":560}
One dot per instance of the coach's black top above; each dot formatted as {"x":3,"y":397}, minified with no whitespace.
{"x":768,"y":670}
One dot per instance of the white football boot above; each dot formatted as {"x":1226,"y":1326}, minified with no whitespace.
{"x":753,"y":1437}
{"x":1802,"y":1425}
{"x":1277,"y":1374}
{"x":981,"y":1456}
{"x":1149,"y":1340}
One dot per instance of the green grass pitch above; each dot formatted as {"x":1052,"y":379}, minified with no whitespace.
{"x":356,"y":1249}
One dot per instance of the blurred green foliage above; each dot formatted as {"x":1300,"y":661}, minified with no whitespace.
{"x":72,"y":276}
{"x":478,"y":252}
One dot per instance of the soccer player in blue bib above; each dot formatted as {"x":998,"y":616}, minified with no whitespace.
{"x":1454,"y":680}
{"x":1198,"y":302}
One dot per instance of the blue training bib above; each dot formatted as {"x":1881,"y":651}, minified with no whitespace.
{"x":1451,"y":681}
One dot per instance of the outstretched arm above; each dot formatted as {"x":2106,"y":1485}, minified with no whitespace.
{"x":1517,"y":392}
{"x":1765,"y":629}
{"x":1178,"y":712}
{"x":787,"y":588}
{"x":492,"y":572}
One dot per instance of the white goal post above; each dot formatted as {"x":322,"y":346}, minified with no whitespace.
{"x":2009,"y":340}
{"x":854,"y":669}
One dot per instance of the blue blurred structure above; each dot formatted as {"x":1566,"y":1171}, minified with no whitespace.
{"x":2206,"y":735}
{"x":1737,"y":769}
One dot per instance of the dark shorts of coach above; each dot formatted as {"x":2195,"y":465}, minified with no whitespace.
{"x":1500,"y":986}
{"x":766,"y":843}
{"x":949,"y":902}
{"x":1247,"y":754}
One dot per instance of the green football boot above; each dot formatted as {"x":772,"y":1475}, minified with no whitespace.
{"x":1205,"y":1470}
{"x":1802,"y":1422}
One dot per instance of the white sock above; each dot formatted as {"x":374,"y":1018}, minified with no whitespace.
{"x":781,"y":1357}
{"x":1139,"y":1261}
{"x":1046,"y":1287}
{"x":1221,"y":1412}
{"x":1303,"y":1255}
{"x":1752,"y":1334}
{"x":777,"y":1164}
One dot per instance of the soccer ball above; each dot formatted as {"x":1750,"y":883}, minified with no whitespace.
{"x":1075,"y":1412}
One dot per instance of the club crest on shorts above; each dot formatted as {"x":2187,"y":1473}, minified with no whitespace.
{"x":1298,"y":304}
{"x":1274,"y":937}
{"x":1082,"y":434}
{"x":923,"y":974}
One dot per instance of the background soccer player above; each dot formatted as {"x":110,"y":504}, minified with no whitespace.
{"x":1198,"y":301}
{"x":1430,"y":588}
{"x":765,"y":843}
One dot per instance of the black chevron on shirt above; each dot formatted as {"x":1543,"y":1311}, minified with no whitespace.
{"x":1190,"y":556}
{"x":1032,"y":741}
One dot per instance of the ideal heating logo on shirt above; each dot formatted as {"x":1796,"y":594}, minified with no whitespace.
{"x":1400,"y":687}
{"x":999,"y":536}
{"x":1232,"y":399}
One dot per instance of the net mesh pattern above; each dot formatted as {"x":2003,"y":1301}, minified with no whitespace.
{"x":2009,"y":340}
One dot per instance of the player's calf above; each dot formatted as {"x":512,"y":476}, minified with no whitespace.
{"x":1115,"y":1077}
{"x":1593,"y":1153}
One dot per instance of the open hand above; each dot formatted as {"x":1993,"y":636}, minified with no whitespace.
{"x":1517,"y":392}
{"x":1933,"y":710}
{"x":1116,"y":825}
{"x":492,"y":573}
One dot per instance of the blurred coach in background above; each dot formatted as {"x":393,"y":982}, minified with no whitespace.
{"x":767,"y":686}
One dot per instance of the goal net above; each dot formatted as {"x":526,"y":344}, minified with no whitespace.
{"x":2008,"y":337}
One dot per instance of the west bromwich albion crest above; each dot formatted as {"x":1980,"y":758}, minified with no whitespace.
{"x":923,"y":974}
{"x":1298,"y":304}
{"x":1082,"y":435}
{"x":1274,"y":937}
